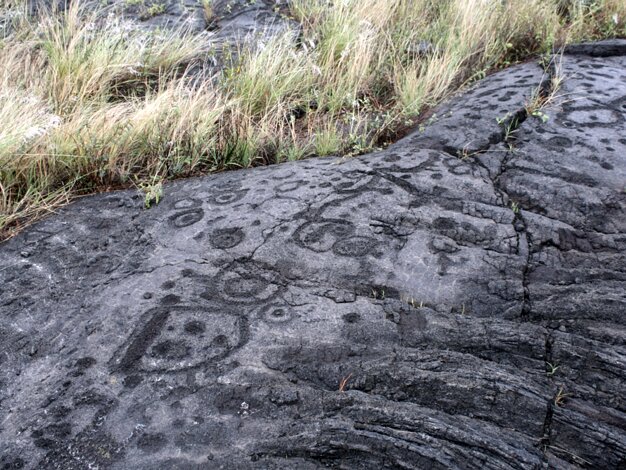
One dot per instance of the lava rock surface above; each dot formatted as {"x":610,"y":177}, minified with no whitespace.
{"x":230,"y":20}
{"x":454,"y":301}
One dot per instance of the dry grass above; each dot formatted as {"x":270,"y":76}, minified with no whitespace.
{"x":86,"y":108}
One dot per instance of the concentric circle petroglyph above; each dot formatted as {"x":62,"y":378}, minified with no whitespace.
{"x":225,"y":238}
{"x":186,"y":218}
{"x":277,"y":314}
{"x":187,"y":203}
{"x":247,"y":283}
{"x":227,"y":197}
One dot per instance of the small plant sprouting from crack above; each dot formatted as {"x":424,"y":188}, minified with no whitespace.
{"x":510,"y":123}
{"x":502,"y":120}
{"x":560,"y":397}
{"x":153,"y":191}
{"x":541,"y":115}
{"x":152,"y":11}
{"x":344,"y":382}
{"x":378,"y":294}
{"x":431,"y":120}
{"x":464,"y":153}
{"x":545,"y":94}
{"x":515,"y":207}
{"x":208,"y":12}
{"x":551,"y":369}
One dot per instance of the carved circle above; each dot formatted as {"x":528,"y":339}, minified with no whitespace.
{"x":249,"y":283}
{"x":225,"y":238}
{"x":187,"y":218}
{"x":228,"y":197}
{"x":277,"y":314}
{"x":187,"y":203}
{"x":289,"y":186}
{"x":559,"y":142}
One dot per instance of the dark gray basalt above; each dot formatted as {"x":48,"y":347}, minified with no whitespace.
{"x":231,"y":26}
{"x":230,"y":20}
{"x":455,"y":301}
{"x":606,"y":48}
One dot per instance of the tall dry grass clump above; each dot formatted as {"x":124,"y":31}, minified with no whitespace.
{"x":90,"y":102}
